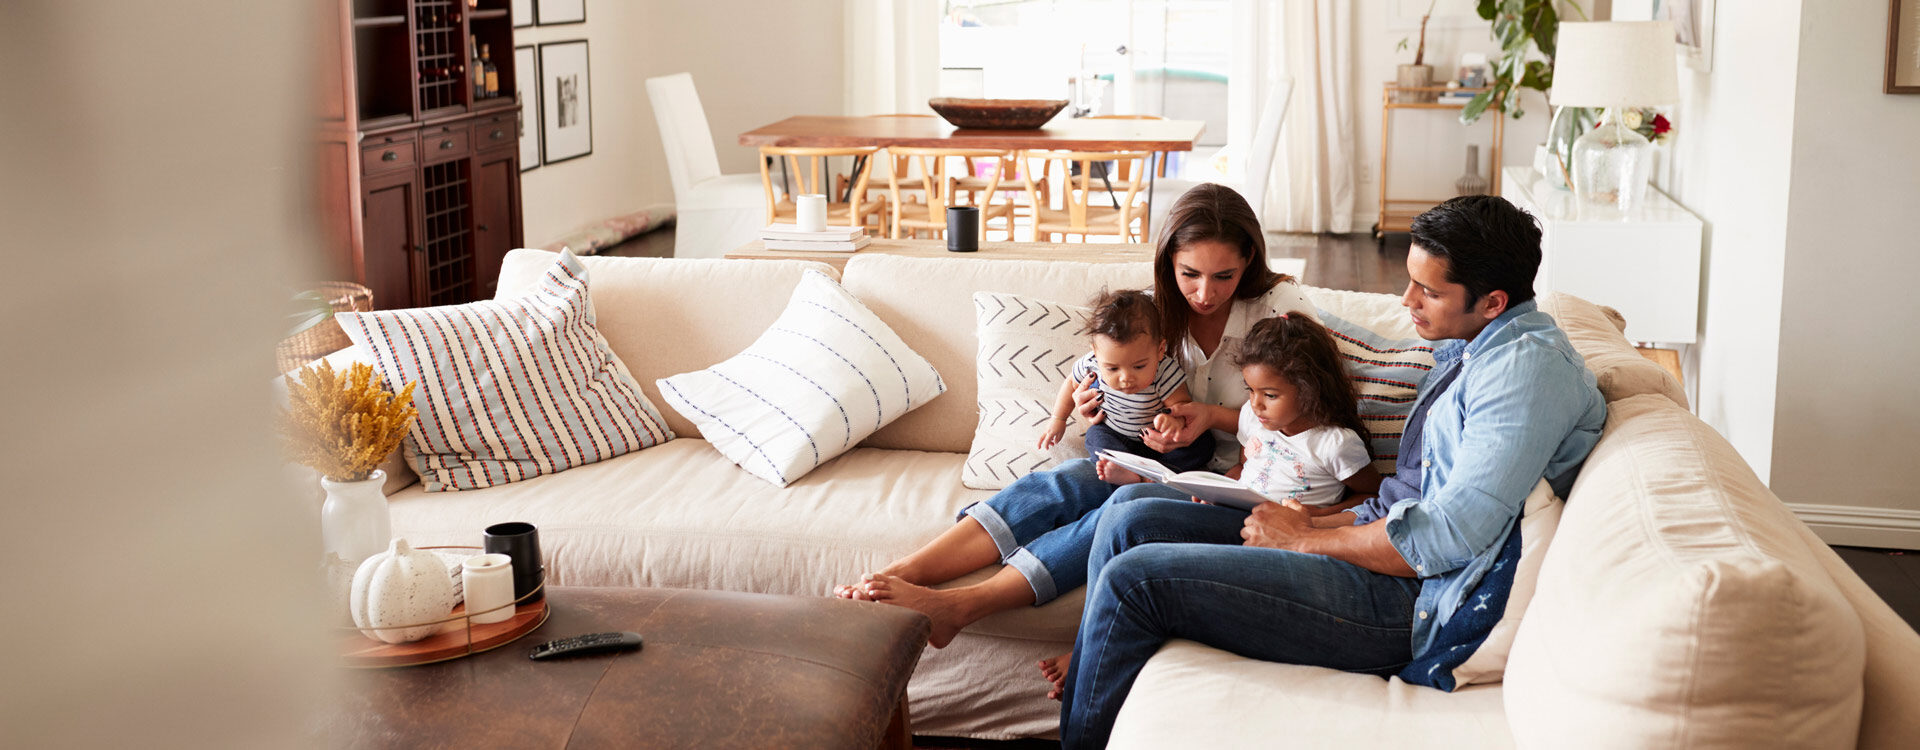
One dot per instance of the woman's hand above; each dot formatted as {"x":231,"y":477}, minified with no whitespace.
{"x":1191,"y":416}
{"x":1086,"y":401}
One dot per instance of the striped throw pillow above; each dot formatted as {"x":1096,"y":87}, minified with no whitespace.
{"x":1387,"y":373}
{"x":827,"y":374}
{"x":510,"y":389}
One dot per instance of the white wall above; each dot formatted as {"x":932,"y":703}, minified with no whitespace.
{"x":1429,"y":146}
{"x":1848,"y":414}
{"x":1732,"y":165}
{"x":753,"y":63}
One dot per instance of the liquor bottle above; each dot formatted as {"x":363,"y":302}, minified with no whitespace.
{"x":479,"y":71}
{"x":492,"y":73}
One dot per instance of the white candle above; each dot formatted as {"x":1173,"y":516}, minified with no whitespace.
{"x":488,"y":580}
{"x":810,"y":213}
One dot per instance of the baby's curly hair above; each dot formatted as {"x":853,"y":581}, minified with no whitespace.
{"x":1301,"y":350}
{"x":1124,"y":315}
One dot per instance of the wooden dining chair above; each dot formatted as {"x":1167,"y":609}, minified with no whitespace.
{"x":970,"y":188}
{"x":936,"y":185}
{"x":1090,"y":204}
{"x":805,"y":167}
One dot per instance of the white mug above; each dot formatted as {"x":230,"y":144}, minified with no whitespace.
{"x":487,"y":581}
{"x":810,"y":213}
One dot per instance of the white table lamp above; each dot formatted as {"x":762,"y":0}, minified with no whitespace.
{"x":1614,"y":64}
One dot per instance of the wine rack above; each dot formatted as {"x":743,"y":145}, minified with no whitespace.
{"x":449,"y":248}
{"x":440,"y":54}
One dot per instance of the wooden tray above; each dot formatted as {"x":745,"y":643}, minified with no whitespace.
{"x":455,"y":638}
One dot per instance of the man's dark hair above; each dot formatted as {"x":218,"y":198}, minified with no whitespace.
{"x":1489,"y":244}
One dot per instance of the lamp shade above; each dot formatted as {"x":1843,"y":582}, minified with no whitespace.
{"x":1615,"y":63}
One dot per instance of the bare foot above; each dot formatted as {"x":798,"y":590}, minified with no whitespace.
{"x":1113,"y":473}
{"x":943,"y":606}
{"x":1055,"y":670}
{"x":855,"y":591}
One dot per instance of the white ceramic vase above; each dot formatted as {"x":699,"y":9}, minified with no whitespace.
{"x":354,"y":523}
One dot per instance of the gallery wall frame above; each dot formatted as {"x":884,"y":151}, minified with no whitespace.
{"x":1903,"y":47}
{"x":522,"y":13}
{"x":566,"y":101}
{"x":527,"y":72}
{"x":559,"y":12}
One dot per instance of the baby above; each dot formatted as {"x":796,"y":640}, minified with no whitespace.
{"x":1137,"y":380}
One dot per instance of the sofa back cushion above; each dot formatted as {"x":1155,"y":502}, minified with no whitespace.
{"x":1680,"y":605}
{"x":665,"y":316}
{"x":1618,"y":370}
{"x":929,"y":303}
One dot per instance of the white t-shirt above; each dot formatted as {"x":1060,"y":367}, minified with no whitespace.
{"x":1216,"y":379}
{"x":1306,"y":468}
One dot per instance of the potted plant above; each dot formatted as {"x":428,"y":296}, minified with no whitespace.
{"x":1517,"y":25}
{"x":343,"y":425}
{"x":1419,"y":73}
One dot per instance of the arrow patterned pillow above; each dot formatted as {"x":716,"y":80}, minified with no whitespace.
{"x":1027,"y":348}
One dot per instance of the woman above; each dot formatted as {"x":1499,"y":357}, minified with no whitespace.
{"x":1211,"y":276}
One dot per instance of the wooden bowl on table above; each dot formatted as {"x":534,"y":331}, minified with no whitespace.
{"x":997,"y":114}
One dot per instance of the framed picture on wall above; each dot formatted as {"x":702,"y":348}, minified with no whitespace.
{"x":566,"y":102}
{"x":553,"y":12}
{"x":522,"y":13}
{"x":1903,"y":47}
{"x":527,"y":82}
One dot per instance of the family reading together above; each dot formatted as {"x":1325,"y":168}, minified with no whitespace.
{"x":1342,"y":568}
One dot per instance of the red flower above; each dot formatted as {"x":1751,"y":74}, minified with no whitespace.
{"x":1660,"y":125}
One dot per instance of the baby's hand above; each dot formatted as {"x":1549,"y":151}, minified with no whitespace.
{"x":1166,"y":423}
{"x":1055,"y":429}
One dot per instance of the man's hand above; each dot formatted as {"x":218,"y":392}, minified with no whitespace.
{"x":1276,"y":526}
{"x":1086,"y":401}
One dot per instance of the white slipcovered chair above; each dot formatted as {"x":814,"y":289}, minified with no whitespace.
{"x":1249,"y":163}
{"x":717,"y":212}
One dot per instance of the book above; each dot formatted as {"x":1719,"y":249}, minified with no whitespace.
{"x":794,"y":232}
{"x":831,"y":246}
{"x":1218,"y":489}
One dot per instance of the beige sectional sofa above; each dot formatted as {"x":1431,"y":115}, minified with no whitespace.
{"x":1681,"y":604}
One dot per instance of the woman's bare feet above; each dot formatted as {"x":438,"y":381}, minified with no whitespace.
{"x":1055,"y":670}
{"x":1113,"y":473}
{"x":946,"y":607}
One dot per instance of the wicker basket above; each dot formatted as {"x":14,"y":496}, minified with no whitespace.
{"x":326,"y":337}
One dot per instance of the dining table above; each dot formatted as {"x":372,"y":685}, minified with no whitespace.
{"x":1062,"y":133}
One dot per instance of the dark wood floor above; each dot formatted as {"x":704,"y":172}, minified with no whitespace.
{"x":1355,"y":261}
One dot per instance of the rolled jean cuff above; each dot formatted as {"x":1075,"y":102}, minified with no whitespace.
{"x":996,"y":527}
{"x":1036,"y":573}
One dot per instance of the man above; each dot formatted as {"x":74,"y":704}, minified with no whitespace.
{"x":1509,"y":402}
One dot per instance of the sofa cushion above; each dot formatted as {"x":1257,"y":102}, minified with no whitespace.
{"x":1191,"y":695}
{"x":1618,"y":370}
{"x":641,"y":303}
{"x":1386,"y":373}
{"x":511,"y":388}
{"x":1681,"y":605}
{"x":929,"y":302}
{"x":1027,"y":349}
{"x":825,"y":375}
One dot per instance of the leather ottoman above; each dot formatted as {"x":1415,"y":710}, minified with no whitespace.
{"x":718,"y":669}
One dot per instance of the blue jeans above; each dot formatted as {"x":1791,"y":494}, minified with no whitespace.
{"x":1192,"y":456}
{"x":1169,"y":568}
{"x":1043,"y":525}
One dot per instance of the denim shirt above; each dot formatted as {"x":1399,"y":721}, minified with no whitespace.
{"x":1523,"y":407}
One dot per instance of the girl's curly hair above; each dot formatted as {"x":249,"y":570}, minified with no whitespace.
{"x":1301,"y":350}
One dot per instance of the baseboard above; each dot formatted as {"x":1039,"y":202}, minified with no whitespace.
{"x":1857,"y":526}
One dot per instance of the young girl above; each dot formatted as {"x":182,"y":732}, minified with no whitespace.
{"x":1137,"y":383}
{"x":1301,"y":426}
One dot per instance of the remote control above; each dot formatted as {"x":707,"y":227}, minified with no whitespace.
{"x":591,"y":643}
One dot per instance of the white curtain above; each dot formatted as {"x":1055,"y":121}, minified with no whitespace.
{"x":1311,"y":188}
{"x":892,"y":55}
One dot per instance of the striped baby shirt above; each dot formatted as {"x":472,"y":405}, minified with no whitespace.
{"x":1129,"y":413}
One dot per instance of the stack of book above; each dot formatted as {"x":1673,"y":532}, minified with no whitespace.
{"x":829,"y":240}
{"x":1457,"y":96}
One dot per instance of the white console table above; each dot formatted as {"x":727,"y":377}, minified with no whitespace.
{"x":1646,"y":263}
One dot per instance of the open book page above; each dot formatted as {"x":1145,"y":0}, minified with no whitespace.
{"x":1206,"y":485}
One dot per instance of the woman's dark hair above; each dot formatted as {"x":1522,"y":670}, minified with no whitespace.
{"x":1123,"y":315}
{"x":1488,"y":243}
{"x":1303,"y":352}
{"x":1208,"y":212}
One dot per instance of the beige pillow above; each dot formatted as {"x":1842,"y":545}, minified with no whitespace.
{"x":1681,"y":606}
{"x":1027,"y":347}
{"x":1618,"y":369}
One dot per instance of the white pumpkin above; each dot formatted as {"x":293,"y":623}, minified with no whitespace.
{"x":398,"y":587}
